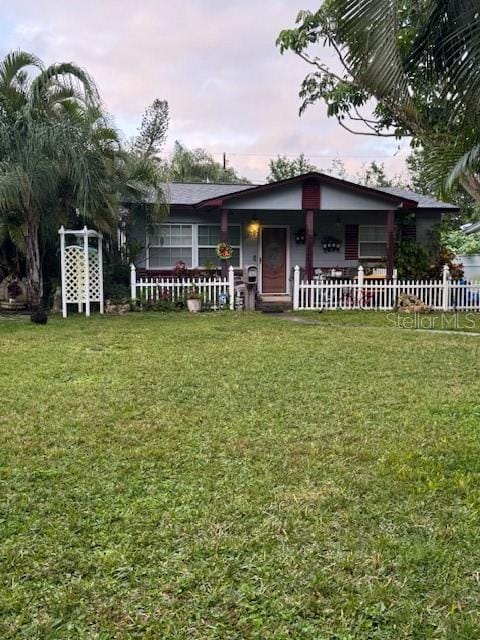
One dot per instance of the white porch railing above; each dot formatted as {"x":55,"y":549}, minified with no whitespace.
{"x":216,"y":292}
{"x":442,"y":295}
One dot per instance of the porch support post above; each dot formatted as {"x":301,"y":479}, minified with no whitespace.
{"x":224,"y":238}
{"x":390,"y":228}
{"x":309,"y":244}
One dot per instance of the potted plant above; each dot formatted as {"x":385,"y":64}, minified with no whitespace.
{"x":194,"y":300}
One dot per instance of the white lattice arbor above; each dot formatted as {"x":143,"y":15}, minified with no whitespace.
{"x":82,"y":269}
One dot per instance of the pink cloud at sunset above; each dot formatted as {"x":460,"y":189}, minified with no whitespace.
{"x":216,"y":63}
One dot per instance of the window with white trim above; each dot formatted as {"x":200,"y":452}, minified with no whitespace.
{"x":208,"y":239}
{"x":193,"y":244}
{"x":372,"y":241}
{"x":168,"y":244}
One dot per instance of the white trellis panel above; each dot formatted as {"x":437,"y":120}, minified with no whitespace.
{"x":75,"y":275}
{"x":82,"y":271}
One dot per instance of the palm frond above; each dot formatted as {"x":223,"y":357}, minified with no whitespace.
{"x":469,"y":162}
{"x":13,"y":63}
{"x":370,"y":31}
{"x":69,"y":76}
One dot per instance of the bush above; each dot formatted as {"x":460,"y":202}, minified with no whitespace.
{"x":163,"y":304}
{"x":412,"y":260}
{"x":118,"y":293}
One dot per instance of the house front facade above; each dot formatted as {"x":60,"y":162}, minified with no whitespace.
{"x":320,"y":223}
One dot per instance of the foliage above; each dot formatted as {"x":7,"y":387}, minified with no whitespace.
{"x":423,"y":180}
{"x":415,"y":261}
{"x":375,"y":176}
{"x":117,"y":293}
{"x":167,"y":473}
{"x":163,"y":303}
{"x":419,"y":64}
{"x":197,"y":165}
{"x":412,"y":260}
{"x":153,"y":129}
{"x":194,"y":294}
{"x":445,"y":257}
{"x":61,"y":162}
{"x":281,"y":168}
{"x":461,"y":243}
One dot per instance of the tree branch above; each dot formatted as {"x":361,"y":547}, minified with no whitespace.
{"x":365,"y":133}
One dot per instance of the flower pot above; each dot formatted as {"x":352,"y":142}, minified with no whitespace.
{"x":194,"y":305}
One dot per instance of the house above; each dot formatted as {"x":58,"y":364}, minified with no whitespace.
{"x":314,"y":220}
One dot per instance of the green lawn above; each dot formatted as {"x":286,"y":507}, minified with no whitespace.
{"x":229,"y":477}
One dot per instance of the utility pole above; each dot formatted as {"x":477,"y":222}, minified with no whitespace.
{"x":224,"y":161}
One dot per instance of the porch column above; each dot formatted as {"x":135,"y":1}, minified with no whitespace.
{"x":309,"y":244}
{"x":310,"y":203}
{"x":390,"y":228}
{"x":224,"y":238}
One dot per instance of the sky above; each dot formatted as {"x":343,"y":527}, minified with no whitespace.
{"x":216,"y":63}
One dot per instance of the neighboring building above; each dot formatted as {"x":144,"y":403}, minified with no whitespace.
{"x":315,"y":221}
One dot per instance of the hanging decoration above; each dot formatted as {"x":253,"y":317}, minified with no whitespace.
{"x":301,"y":236}
{"x":331,"y":243}
{"x":224,"y":251}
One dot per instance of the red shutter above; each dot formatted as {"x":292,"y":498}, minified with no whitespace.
{"x":409,"y":231}
{"x":311,"y":194}
{"x":351,"y":242}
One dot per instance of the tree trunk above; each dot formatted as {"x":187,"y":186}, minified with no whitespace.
{"x":34,"y":269}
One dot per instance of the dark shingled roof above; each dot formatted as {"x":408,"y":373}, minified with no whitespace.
{"x":424,"y":202}
{"x":191,"y":193}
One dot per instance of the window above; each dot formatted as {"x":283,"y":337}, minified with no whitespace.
{"x":169,"y":244}
{"x":372,"y":241}
{"x":193,"y":244}
{"x":209,"y":237}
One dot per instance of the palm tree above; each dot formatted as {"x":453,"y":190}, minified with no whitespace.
{"x":60,"y":157}
{"x":38,"y":141}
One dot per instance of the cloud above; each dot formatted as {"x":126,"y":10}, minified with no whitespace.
{"x":215,"y":61}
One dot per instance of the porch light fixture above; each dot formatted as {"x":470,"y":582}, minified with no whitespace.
{"x":253,"y":227}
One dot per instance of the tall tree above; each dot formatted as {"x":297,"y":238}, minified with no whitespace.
{"x":38,"y":145}
{"x":153,"y":129}
{"x":281,"y":168}
{"x":59,"y":156}
{"x":418,"y":61}
{"x":197,"y":165}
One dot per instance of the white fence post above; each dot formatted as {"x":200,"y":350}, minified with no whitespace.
{"x":87,"y":271}
{"x":231,"y":287}
{"x":358,"y":299}
{"x":62,"y":266}
{"x":133,"y":282}
{"x":100,"y":271}
{"x":361,"y":275}
{"x":445,"y":288}
{"x":296,"y":287}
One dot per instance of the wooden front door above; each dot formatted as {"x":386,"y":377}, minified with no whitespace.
{"x":274,"y":260}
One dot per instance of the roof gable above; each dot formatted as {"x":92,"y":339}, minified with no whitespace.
{"x":208,"y":194}
{"x":391,"y":199}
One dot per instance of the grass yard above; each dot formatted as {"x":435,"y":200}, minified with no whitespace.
{"x":233,"y":477}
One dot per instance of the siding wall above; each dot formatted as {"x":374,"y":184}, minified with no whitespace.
{"x":326,"y":223}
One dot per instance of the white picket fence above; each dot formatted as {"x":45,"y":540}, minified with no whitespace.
{"x":442,"y":295}
{"x":216,"y":293}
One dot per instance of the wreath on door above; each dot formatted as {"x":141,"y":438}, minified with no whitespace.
{"x":224,"y":251}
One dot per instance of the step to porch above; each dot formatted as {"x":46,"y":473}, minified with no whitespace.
{"x":274,"y":303}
